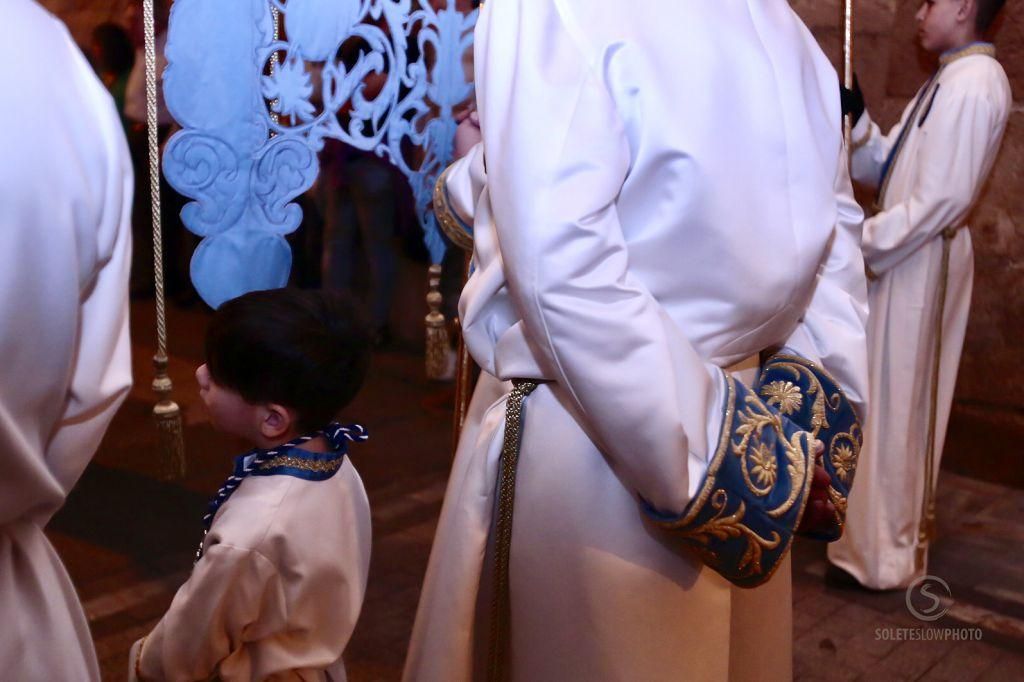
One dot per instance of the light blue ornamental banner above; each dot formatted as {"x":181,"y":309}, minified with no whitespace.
{"x":258,"y":85}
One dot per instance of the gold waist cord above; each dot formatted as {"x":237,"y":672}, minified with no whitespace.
{"x":926,"y":529}
{"x":498,"y":645}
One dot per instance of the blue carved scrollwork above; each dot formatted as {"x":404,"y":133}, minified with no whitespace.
{"x":255,"y":110}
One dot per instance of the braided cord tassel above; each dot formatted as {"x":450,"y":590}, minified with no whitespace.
{"x":167,"y":413}
{"x":497,"y":667}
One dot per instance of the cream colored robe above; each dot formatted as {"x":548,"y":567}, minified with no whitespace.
{"x":65,"y":248}
{"x":934,"y":182}
{"x":664,"y":194}
{"x":278,"y":590}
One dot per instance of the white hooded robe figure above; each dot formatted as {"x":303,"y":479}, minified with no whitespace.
{"x":65,"y":243}
{"x":953,"y":129}
{"x":661,"y":194}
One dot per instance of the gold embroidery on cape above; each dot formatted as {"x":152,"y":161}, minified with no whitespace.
{"x":721,"y":527}
{"x":751,"y":449}
{"x":446,"y":218}
{"x":785,"y":394}
{"x":716,"y":461}
{"x":815,"y":390}
{"x":316,"y":466}
{"x":764,"y":468}
{"x":845,"y":451}
{"x":839,"y":502}
{"x":753,"y":419}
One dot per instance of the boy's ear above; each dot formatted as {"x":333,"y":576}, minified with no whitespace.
{"x":277,"y":421}
{"x":968,"y":10}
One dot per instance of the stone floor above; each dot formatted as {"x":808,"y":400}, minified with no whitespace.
{"x":128,"y":536}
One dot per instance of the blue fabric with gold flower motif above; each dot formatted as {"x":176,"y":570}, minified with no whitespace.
{"x":811,"y":398}
{"x":741,"y":523}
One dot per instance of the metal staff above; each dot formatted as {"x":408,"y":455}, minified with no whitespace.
{"x":848,"y":65}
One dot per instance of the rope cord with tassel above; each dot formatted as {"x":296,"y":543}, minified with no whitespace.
{"x":438,"y":341}
{"x":171,"y":437}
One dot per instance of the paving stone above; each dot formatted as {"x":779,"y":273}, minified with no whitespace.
{"x":910,"y":659}
{"x":965,"y":661}
{"x":1009,"y":667}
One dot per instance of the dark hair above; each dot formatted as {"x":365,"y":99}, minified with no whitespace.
{"x":988,"y":10}
{"x":117,"y":55}
{"x":306,"y":350}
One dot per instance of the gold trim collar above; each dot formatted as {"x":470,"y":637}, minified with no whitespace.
{"x":987,"y":49}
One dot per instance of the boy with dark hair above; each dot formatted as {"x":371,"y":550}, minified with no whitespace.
{"x":281,"y":572}
{"x":929,"y":170}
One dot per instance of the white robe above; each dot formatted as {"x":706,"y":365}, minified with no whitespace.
{"x":65,"y":247}
{"x":934,"y":182}
{"x":664,"y":194}
{"x":278,"y":590}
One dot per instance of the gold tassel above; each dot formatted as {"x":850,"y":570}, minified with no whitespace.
{"x":167,"y":414}
{"x":170,"y":431}
{"x":437,"y":329}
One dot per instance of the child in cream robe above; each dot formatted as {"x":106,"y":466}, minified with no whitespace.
{"x":281,"y":576}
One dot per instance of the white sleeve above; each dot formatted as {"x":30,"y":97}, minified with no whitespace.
{"x":233,"y":597}
{"x":870,"y":149}
{"x":832,"y":332}
{"x":465,"y":181}
{"x":102,"y":367}
{"x":962,"y":132}
{"x":557,"y":157}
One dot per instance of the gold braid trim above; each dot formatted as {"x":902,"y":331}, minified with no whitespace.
{"x":987,"y":49}
{"x":500,"y":625}
{"x":138,"y":659}
{"x":317,"y":466}
{"x":450,"y":223}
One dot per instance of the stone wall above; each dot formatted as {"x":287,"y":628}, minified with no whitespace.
{"x":988,"y":416}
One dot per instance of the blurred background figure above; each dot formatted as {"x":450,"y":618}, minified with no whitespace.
{"x":359,"y":202}
{"x":113,"y":56}
{"x":65,"y":241}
